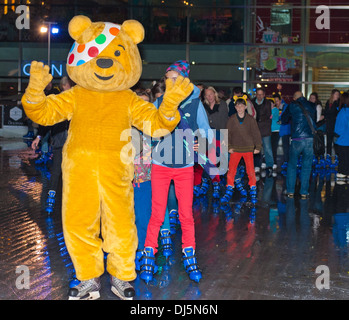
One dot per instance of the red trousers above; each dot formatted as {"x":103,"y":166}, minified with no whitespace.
{"x":183,"y":179}
{"x":235,"y":158}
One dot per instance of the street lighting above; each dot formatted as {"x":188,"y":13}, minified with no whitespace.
{"x":54,"y":30}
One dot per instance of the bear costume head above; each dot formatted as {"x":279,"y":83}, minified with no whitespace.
{"x":104,"y":56}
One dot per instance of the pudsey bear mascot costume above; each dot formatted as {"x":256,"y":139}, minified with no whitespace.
{"x":97,"y":203}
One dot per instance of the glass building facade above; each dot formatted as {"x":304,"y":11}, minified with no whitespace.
{"x":280,"y":45}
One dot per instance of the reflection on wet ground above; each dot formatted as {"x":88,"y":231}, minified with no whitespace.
{"x":279,"y":248}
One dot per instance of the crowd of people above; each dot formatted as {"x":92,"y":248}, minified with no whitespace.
{"x":164,"y":190}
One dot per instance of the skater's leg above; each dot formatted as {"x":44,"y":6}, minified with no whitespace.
{"x":184,"y":182}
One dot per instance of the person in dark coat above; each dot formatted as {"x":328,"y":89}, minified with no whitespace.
{"x":301,"y":144}
{"x":262,"y":106}
{"x":331,"y":111}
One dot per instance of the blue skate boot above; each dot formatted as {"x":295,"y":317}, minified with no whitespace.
{"x":29,"y":135}
{"x":241,"y":170}
{"x":253,"y":194}
{"x":328,"y":160}
{"x":166,"y":243}
{"x":191,"y":265}
{"x":215,"y":206}
{"x":215,"y":193}
{"x":204,"y":186}
{"x":50,"y":201}
{"x":322,"y":162}
{"x":174,"y":220}
{"x":228,"y":194}
{"x":43,"y":159}
{"x":240,"y":187}
{"x":334,"y":164}
{"x":148,"y":266}
{"x":227,"y":212}
{"x":253,"y":214}
{"x":197,"y":190}
{"x":139,"y":255}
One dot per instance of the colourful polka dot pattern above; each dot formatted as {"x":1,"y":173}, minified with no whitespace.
{"x":82,"y":53}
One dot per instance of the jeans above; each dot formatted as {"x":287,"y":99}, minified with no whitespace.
{"x":304,"y":148}
{"x":268,"y":153}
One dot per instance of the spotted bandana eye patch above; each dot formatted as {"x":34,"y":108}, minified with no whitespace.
{"x":82,"y":53}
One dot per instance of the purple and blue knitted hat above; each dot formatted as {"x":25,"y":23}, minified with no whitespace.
{"x":181,"y":66}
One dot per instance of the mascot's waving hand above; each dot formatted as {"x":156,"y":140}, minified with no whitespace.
{"x":97,"y":200}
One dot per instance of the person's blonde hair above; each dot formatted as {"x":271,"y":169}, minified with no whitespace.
{"x":217,"y":100}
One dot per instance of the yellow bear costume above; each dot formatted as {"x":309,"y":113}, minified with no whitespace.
{"x":97,"y":185}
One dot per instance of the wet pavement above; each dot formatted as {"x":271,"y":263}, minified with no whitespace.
{"x":279,"y":248}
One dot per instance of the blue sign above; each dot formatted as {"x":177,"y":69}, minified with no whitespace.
{"x":57,"y":68}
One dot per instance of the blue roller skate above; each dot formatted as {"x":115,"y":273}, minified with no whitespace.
{"x":139,"y":255}
{"x":334,"y":164}
{"x":215,"y":206}
{"x":228,"y":194}
{"x":50,"y":201}
{"x":166,"y":242}
{"x":239,"y":186}
{"x":215,"y":193}
{"x":74,"y":282}
{"x":204,"y":186}
{"x":284,"y":165}
{"x":227,"y":212}
{"x":197,"y":190}
{"x":253,"y":194}
{"x":44,"y":158}
{"x":191,"y":265}
{"x":253,"y":214}
{"x":148,"y":266}
{"x":174,"y":220}
{"x":321,"y":163}
{"x":328,"y":161}
{"x":29,"y":135}
{"x":241,"y":170}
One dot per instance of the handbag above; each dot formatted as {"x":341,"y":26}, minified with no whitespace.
{"x":318,"y":136}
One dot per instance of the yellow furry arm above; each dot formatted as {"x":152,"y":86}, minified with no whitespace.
{"x":151,"y":121}
{"x":52,"y":109}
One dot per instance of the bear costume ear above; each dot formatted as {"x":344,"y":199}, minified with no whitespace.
{"x":78,"y":25}
{"x":134,"y":29}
